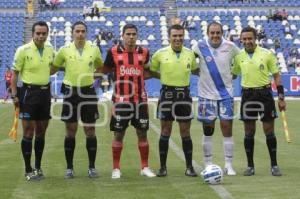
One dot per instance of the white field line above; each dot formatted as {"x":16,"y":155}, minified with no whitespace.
{"x":219,"y":189}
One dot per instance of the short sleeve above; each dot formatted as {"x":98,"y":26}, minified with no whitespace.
{"x":59,"y":59}
{"x":147,"y":60}
{"x":236,"y":69}
{"x":98,"y":59}
{"x":109,"y":60}
{"x":272,"y":64}
{"x":155,"y":64}
{"x":194,"y":64}
{"x":235,"y":50}
{"x":19,"y":60}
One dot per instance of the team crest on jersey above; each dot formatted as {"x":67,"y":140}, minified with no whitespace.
{"x":261,"y":67}
{"x":140,"y":57}
{"x":208,"y":58}
{"x":90,"y":64}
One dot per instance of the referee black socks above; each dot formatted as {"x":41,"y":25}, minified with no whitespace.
{"x":39,"y":144}
{"x":163,"y":150}
{"x":69,"y":151}
{"x":91,"y":147}
{"x":272,"y":147}
{"x":26,"y":146}
{"x":187,"y":146}
{"x":249,"y":148}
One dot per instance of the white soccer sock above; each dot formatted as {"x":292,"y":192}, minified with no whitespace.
{"x":207,"y":146}
{"x":228,"y":150}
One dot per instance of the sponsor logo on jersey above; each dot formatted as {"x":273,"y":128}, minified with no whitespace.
{"x":129,"y":71}
{"x":208,"y":58}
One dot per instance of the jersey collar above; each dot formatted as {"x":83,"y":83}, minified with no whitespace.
{"x":255,"y":50}
{"x":33,"y":46}
{"x":170,"y":49}
{"x":84,"y":47}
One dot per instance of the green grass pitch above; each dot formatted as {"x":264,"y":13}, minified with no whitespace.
{"x":133,"y":186}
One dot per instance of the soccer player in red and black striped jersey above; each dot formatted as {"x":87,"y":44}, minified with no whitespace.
{"x":128,"y":61}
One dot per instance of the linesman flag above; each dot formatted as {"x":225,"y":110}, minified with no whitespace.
{"x":285,"y":125}
{"x":14,"y":130}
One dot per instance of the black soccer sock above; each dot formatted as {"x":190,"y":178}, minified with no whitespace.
{"x":91,"y":147}
{"x":187,"y":146}
{"x":69,"y":151}
{"x":39,"y":144}
{"x":249,"y":148}
{"x":272,"y":146}
{"x":26,"y":146}
{"x":163,"y":150}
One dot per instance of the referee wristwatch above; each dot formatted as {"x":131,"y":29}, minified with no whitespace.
{"x":13,"y":96}
{"x":280,"y":91}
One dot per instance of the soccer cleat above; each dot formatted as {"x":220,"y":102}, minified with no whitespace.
{"x":229,"y":171}
{"x":162,"y":172}
{"x":39,"y":173}
{"x":69,"y":174}
{"x":276,"y":171}
{"x":31,"y":176}
{"x":190,"y":172}
{"x":249,"y":171}
{"x":116,"y":174}
{"x":146,"y":171}
{"x":92,"y":173}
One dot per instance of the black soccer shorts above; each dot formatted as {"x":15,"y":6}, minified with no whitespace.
{"x":35,"y":102}
{"x":258,"y":102}
{"x":175,"y":103}
{"x":124,"y":112}
{"x":79,"y":103}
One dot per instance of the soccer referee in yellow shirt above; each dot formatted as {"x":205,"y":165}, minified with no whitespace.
{"x":255,"y":64}
{"x":174,"y":65}
{"x":32,"y":63}
{"x":80,"y":60}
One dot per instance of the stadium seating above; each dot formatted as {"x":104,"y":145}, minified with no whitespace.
{"x":233,"y":3}
{"x":12,"y":4}
{"x":153,"y":27}
{"x":12,"y":33}
{"x":112,"y":3}
{"x":234,"y":21}
{"x":149,"y":33}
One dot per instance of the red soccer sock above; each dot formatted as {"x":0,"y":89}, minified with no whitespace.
{"x":144,"y":153}
{"x":116,"y":152}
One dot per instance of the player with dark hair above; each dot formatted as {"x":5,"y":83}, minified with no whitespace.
{"x":215,"y":92}
{"x":129,"y":99}
{"x":255,"y":64}
{"x":174,"y":65}
{"x":80,"y":60}
{"x":32,"y":62}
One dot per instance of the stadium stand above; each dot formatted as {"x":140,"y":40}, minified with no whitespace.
{"x":12,"y":36}
{"x":282,"y":36}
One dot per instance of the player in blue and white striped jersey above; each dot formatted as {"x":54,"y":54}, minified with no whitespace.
{"x":216,"y":91}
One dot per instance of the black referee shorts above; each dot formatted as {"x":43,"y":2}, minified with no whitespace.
{"x":258,"y":102}
{"x":35,"y":102}
{"x":175,"y":103}
{"x":79,"y":103}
